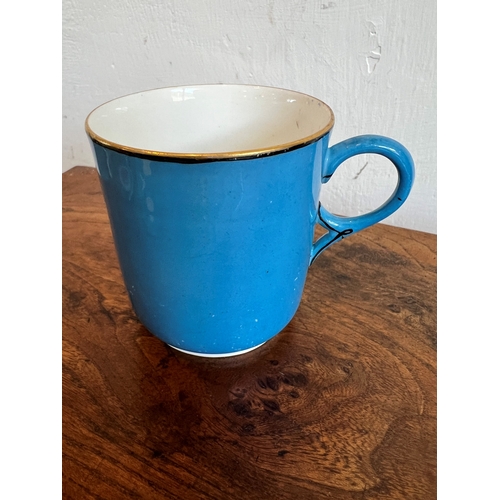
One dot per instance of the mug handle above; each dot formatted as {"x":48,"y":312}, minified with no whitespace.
{"x":339,"y":227}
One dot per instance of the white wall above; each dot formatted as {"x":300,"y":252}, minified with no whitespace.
{"x":372,"y":61}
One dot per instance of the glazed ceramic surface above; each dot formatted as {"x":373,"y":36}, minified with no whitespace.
{"x":213,"y":194}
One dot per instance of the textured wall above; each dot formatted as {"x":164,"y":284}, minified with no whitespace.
{"x":373,"y":62}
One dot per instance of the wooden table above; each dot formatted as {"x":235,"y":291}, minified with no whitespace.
{"x":341,"y":404}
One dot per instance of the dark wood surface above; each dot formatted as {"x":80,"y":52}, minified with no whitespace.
{"x":341,"y":404}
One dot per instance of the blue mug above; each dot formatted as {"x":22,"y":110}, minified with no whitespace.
{"x":213,"y":194}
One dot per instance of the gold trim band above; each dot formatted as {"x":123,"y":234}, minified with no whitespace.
{"x":211,"y":156}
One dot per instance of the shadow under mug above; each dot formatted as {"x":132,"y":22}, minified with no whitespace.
{"x":213,"y":194}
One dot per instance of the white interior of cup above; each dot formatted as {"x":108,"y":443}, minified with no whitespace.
{"x":209,"y":120}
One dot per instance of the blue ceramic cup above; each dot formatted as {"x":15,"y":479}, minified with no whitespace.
{"x":213,"y":194}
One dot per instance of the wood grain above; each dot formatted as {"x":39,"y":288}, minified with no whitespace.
{"x":341,"y":404}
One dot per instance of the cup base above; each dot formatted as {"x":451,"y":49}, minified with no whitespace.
{"x":221,"y":355}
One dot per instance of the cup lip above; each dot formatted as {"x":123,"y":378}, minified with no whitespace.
{"x":227,"y":155}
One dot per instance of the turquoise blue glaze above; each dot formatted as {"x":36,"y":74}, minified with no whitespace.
{"x":340,"y":227}
{"x":215,"y":254}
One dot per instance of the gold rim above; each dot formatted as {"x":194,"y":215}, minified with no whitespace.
{"x":206,"y":156}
